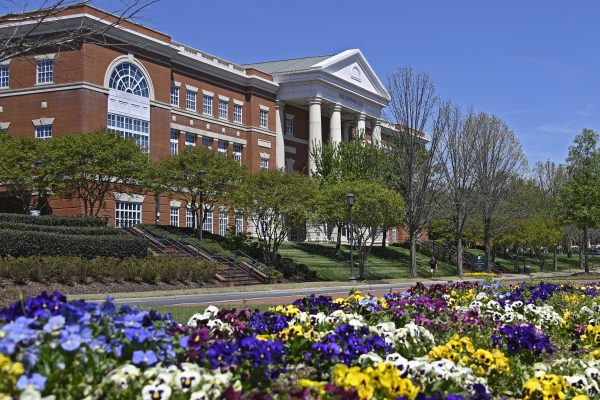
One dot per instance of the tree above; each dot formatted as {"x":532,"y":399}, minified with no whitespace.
{"x":551,"y":178}
{"x":499,"y":161}
{"x":88,"y":166}
{"x":580,"y":196}
{"x":276,"y":202}
{"x":31,"y":33}
{"x":414,"y":161}
{"x":346,"y":161}
{"x":200,"y":177}
{"x":24,"y":171}
{"x":375,"y":208}
{"x":457,"y":165}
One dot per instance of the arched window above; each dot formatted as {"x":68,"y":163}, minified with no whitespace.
{"x":126,"y":77}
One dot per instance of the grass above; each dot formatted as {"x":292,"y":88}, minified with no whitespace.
{"x":388,"y":263}
{"x":182,"y":314}
{"x":563,"y":262}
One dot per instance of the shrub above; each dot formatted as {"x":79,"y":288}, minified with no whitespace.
{"x":68,"y":270}
{"x":28,"y":244}
{"x":52,"y":220}
{"x":63,"y":229}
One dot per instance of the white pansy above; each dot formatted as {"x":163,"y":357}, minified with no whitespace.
{"x":156,"y":392}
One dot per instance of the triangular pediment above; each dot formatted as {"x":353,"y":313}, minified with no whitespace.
{"x":352,"y":67}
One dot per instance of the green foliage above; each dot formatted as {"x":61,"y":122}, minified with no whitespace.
{"x":69,"y":270}
{"x":25,"y":172}
{"x":66,"y":230}
{"x":276,"y":202}
{"x":49,"y":220}
{"x":181,"y":175}
{"x":90,"y":165}
{"x":19,"y":243}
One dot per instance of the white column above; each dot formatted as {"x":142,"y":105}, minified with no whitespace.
{"x":315,"y":136}
{"x":335,"y":127}
{"x":360,"y":125}
{"x":346,"y":131}
{"x":279,"y":142}
{"x":377,"y":132}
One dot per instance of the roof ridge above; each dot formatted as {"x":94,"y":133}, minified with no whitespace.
{"x":289,"y":59}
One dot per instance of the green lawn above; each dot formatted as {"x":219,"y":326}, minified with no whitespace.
{"x":388,"y":263}
{"x":182,"y":314}
{"x":563,"y":261}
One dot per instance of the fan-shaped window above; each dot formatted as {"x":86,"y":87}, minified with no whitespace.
{"x":126,"y":77}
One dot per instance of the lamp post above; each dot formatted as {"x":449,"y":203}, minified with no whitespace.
{"x":201,"y":175}
{"x":350,"y":197}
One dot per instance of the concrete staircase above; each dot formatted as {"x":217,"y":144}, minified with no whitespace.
{"x":241,"y":270}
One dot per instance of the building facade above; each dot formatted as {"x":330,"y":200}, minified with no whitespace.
{"x":167,"y":95}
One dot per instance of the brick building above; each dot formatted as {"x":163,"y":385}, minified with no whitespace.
{"x":167,"y":95}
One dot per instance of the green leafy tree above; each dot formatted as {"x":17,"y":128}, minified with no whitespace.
{"x":276,"y":202}
{"x":346,"y":161}
{"x":25,"y":172}
{"x":200,"y":177}
{"x":580,"y":196}
{"x":90,"y":165}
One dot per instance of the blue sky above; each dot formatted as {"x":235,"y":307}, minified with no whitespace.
{"x":534,"y":63}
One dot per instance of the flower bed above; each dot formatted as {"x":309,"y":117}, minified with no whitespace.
{"x":462,"y":341}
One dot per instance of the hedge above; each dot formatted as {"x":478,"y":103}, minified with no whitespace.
{"x":62,"y":229}
{"x":27,"y":244}
{"x":52,"y":220}
{"x":68,"y":270}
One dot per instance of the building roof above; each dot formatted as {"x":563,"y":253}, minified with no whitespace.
{"x":287,"y":66}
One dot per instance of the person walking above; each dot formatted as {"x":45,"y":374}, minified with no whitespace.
{"x":433,"y":265}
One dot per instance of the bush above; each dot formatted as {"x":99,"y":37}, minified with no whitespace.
{"x":68,"y":270}
{"x":62,"y":229}
{"x":29,"y":244}
{"x":52,"y":220}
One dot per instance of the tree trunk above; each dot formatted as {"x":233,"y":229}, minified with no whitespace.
{"x":580,"y":257}
{"x":486,"y":244}
{"x":586,"y":263}
{"x":555,"y":261}
{"x":459,"y":255}
{"x":338,"y":243}
{"x":413,"y":253}
{"x":383,"y":241}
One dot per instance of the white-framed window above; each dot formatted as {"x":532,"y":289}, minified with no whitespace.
{"x":223,"y":105}
{"x":190,"y":140}
{"x":4,"y":76}
{"x":207,"y":103}
{"x":222,"y":148}
{"x":190,"y":100}
{"x":174,"y":216}
{"x":239,"y":222}
{"x":237,"y":113}
{"x":127,"y":77}
{"x":45,"y":71}
{"x":208,"y":221}
{"x":237,"y":152}
{"x":174,"y":94}
{"x":131,"y":128}
{"x":174,"y":143}
{"x":264,"y":118}
{"x":223,"y":222}
{"x":189,"y":218}
{"x":289,"y":126}
{"x":207,"y":141}
{"x":393,"y":235}
{"x":264,"y":163}
{"x":43,"y":132}
{"x":127,"y":214}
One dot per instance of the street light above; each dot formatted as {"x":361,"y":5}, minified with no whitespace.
{"x":201,"y":175}
{"x":350,"y":197}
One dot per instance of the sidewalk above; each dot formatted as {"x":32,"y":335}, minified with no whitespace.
{"x":285,"y":295}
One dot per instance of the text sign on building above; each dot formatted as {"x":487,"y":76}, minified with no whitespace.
{"x":350,"y":99}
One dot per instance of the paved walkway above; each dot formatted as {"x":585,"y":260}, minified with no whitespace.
{"x":289,"y":295}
